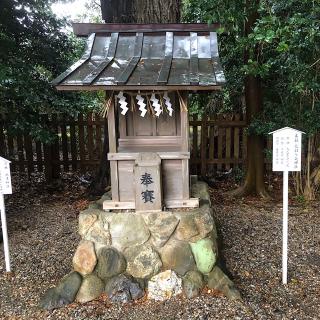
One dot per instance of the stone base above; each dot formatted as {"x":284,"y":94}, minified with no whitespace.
{"x":121,"y":251}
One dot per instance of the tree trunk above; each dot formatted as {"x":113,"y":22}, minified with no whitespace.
{"x":141,"y":11}
{"x":117,"y":11}
{"x":126,"y":11}
{"x":102,"y":176}
{"x":157,"y":11}
{"x":254,"y":180}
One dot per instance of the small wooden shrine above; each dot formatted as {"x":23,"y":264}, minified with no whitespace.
{"x":147,"y":72}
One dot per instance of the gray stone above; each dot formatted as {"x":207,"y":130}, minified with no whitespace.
{"x":136,"y":291}
{"x":143,"y":283}
{"x":177,"y":256}
{"x":195,"y":225}
{"x":69,"y":286}
{"x":94,"y":205}
{"x":164,"y":285}
{"x":99,"y":233}
{"x":162,"y":226}
{"x":142,"y":261}
{"x":200,"y":190}
{"x":128,"y":230}
{"x":52,"y":300}
{"x":86,"y":219}
{"x":90,"y":289}
{"x":63,"y":294}
{"x":193,"y":179}
{"x":203,"y":219}
{"x":106,"y":196}
{"x":217,"y":280}
{"x":84,"y":259}
{"x":187,"y":227}
{"x":123,"y":289}
{"x":192,"y":284}
{"x":110,"y":263}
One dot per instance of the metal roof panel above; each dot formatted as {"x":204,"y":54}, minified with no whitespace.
{"x":157,"y":59}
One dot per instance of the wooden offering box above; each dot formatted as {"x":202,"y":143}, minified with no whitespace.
{"x":168,"y":137}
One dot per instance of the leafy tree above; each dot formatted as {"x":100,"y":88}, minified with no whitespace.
{"x":92,"y":13}
{"x":275,"y":44}
{"x":34,"y":48}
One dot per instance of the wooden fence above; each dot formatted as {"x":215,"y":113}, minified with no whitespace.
{"x":78,"y":146}
{"x":217,"y":143}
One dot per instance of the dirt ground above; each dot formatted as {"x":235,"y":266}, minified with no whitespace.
{"x":42,"y":225}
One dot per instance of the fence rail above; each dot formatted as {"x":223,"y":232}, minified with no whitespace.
{"x":217,"y":143}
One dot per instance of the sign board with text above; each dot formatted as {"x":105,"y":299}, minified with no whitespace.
{"x":286,"y":150}
{"x":286,"y":156}
{"x":148,"y":195}
{"x":5,"y":177}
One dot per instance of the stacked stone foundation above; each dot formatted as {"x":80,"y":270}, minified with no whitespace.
{"x":125,"y":253}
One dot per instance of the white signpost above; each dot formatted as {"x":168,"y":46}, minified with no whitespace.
{"x":5,"y":188}
{"x":286,"y":156}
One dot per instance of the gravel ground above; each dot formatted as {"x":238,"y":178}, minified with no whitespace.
{"x":43,"y":236}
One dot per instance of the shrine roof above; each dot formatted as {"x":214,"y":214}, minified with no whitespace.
{"x":145,"y":57}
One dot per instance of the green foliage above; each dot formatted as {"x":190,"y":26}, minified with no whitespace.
{"x":283,"y":49}
{"x":93,"y":12}
{"x":238,"y":175}
{"x":301,"y":199}
{"x":34,"y":48}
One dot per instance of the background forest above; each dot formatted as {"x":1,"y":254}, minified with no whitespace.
{"x":269,"y":49}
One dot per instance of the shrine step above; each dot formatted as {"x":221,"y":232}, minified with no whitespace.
{"x":170,"y":204}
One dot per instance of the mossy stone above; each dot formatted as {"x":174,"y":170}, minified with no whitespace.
{"x":204,"y":255}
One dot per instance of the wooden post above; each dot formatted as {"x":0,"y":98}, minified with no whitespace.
{"x":64,"y":142}
{"x":5,"y":234}
{"x":47,"y":157}
{"x":73,"y":144}
{"x":55,"y":148}
{"x":220,"y":142}
{"x":185,"y":147}
{"x":195,"y":144}
{"x":39,"y":156}
{"x":11,"y":152}
{"x":204,"y":139}
{"x":90,"y":141}
{"x":244,"y":143}
{"x":228,"y":148}
{"x":81,"y":142}
{"x":29,"y":152}
{"x":211,"y":143}
{"x":236,"y":141}
{"x":2,"y":138}
{"x":98,"y":123}
{"x":113,"y":149}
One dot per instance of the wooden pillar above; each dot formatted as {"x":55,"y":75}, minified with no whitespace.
{"x":185,"y":145}
{"x":113,"y":149}
{"x":204,"y":137}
